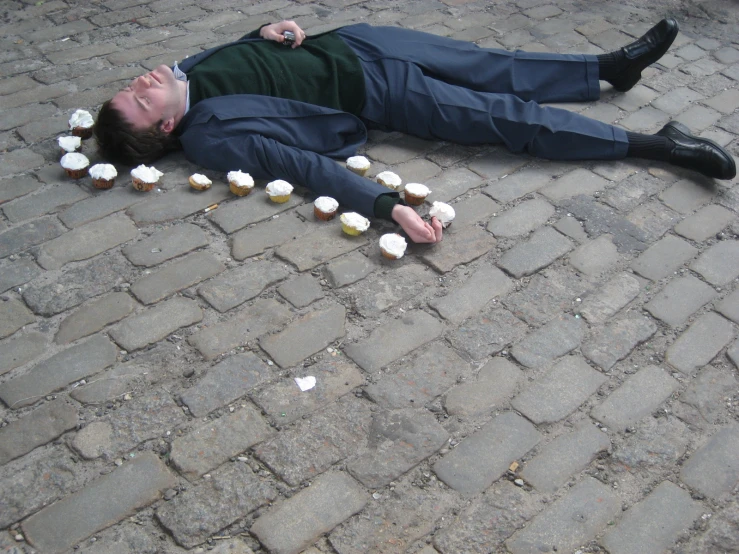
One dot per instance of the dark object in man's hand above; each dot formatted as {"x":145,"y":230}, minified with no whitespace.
{"x":289,"y":38}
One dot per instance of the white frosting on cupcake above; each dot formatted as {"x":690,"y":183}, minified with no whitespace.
{"x":201,"y":179}
{"x":358,"y":162}
{"x":279,"y":188}
{"x":103,"y":171}
{"x":240,"y":179}
{"x":80,"y":118}
{"x":390,"y":180}
{"x":393,"y":244}
{"x":417,"y":189}
{"x":356,"y":221}
{"x":443,"y":212}
{"x":146,"y":174}
{"x":326,"y":204}
{"x":70,"y":144}
{"x":73,"y":160}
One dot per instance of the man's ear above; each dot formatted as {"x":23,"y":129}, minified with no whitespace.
{"x":167,"y":125}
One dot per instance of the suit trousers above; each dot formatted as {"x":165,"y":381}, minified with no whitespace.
{"x":443,"y":89}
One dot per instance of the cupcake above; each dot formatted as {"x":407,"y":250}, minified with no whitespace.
{"x":145,"y":178}
{"x":75,"y":164}
{"x":358,"y":164}
{"x":324,"y":208}
{"x":354,"y":224}
{"x":240,"y":183}
{"x":69,"y":144}
{"x":199,"y":182}
{"x":416,"y":193}
{"x":81,"y":124}
{"x":103,"y":175}
{"x":390,"y":180}
{"x":392,"y":246}
{"x":443,"y":212}
{"x":279,"y":191}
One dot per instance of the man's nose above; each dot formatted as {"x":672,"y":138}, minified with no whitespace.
{"x":141,"y":83}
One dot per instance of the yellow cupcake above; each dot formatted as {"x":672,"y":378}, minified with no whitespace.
{"x":279,"y":191}
{"x":354,"y":224}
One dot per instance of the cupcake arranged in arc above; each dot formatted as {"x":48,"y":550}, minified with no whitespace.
{"x":358,"y":164}
{"x":443,"y":212}
{"x":353,"y":223}
{"x":199,"y":181}
{"x":392,"y":246}
{"x":69,"y":144}
{"x":103,"y":175}
{"x":75,"y":164}
{"x":324,"y":208}
{"x":279,"y":191}
{"x":416,"y":193}
{"x":390,"y":180}
{"x":240,"y":183}
{"x":145,"y":178}
{"x":81,"y":124}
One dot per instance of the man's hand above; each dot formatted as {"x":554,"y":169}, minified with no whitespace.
{"x":415,"y":227}
{"x":274,"y":32}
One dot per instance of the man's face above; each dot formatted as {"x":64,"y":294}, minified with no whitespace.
{"x":150,"y":98}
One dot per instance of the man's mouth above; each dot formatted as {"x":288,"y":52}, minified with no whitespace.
{"x":154,"y":77}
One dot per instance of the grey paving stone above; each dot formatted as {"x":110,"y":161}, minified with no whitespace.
{"x":23,"y":237}
{"x":636,"y":98}
{"x":109,"y":499}
{"x":484,"y":456}
{"x":566,"y":455}
{"x":733,"y":353}
{"x":87,"y":241}
{"x":452,"y":183}
{"x":225,"y":382}
{"x":21,"y":159}
{"x":610,"y":298}
{"x":255,"y":207}
{"x":255,"y":240}
{"x":17,"y":186}
{"x":13,"y":316}
{"x":306,"y":335}
{"x":249,"y":323}
{"x":20,"y":349}
{"x":460,"y":246}
{"x":708,"y":392}
{"x":17,"y":272}
{"x":175,"y":204}
{"x":242,"y":283}
{"x":521,"y":219}
{"x":153,"y":324}
{"x":577,"y":182}
{"x":48,"y":201}
{"x":72,"y":364}
{"x":729,"y":307}
{"x":713,"y":469}
{"x":39,"y":427}
{"x":317,"y":247}
{"x":637,"y":397}
{"x":676,"y":100}
{"x":467,"y":299}
{"x":595,"y":257}
{"x":698,"y":118}
{"x":543,"y":248}
{"x":301,"y":291}
{"x":94,"y":316}
{"x":213,"y":443}
{"x":542,"y":346}
{"x":570,"y":522}
{"x":519,"y":184}
{"x":680,"y":299}
{"x":100,"y":275}
{"x":474,"y":208}
{"x":114,"y":383}
{"x":719,"y":265}
{"x":394,"y":339}
{"x":375,"y":294}
{"x":700,"y":343}
{"x":164,"y":245}
{"x":176,"y":276}
{"x":725,"y":102}
{"x":399,"y":150}
{"x":705,"y":223}
{"x":127,"y":536}
{"x":572,"y":228}
{"x":401,"y":439}
{"x":313,"y":445}
{"x":493,"y":388}
{"x":653,"y":218}
{"x":655,"y":443}
{"x":644,"y":120}
{"x":634,"y":189}
{"x":349,"y":269}
{"x":614,"y":342}
{"x":663,"y":257}
{"x":104,"y":204}
{"x":488,"y":333}
{"x":285,"y":402}
{"x":421,"y":380}
{"x":297,"y":522}
{"x":686,"y":196}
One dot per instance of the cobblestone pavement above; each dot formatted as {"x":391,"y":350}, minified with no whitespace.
{"x":560,"y":374}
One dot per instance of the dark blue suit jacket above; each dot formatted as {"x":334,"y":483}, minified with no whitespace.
{"x":274,"y":138}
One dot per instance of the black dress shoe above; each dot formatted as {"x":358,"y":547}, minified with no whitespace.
{"x":699,"y":154}
{"x":644,"y":52}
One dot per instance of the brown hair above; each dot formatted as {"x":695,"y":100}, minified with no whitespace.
{"x":119,"y":142}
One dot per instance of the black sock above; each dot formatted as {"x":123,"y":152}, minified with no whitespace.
{"x":650,"y":147}
{"x":610,"y":64}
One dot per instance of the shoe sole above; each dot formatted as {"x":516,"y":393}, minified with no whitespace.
{"x":679,"y":127}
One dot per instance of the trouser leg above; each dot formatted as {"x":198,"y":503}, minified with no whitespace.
{"x":541,"y":77}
